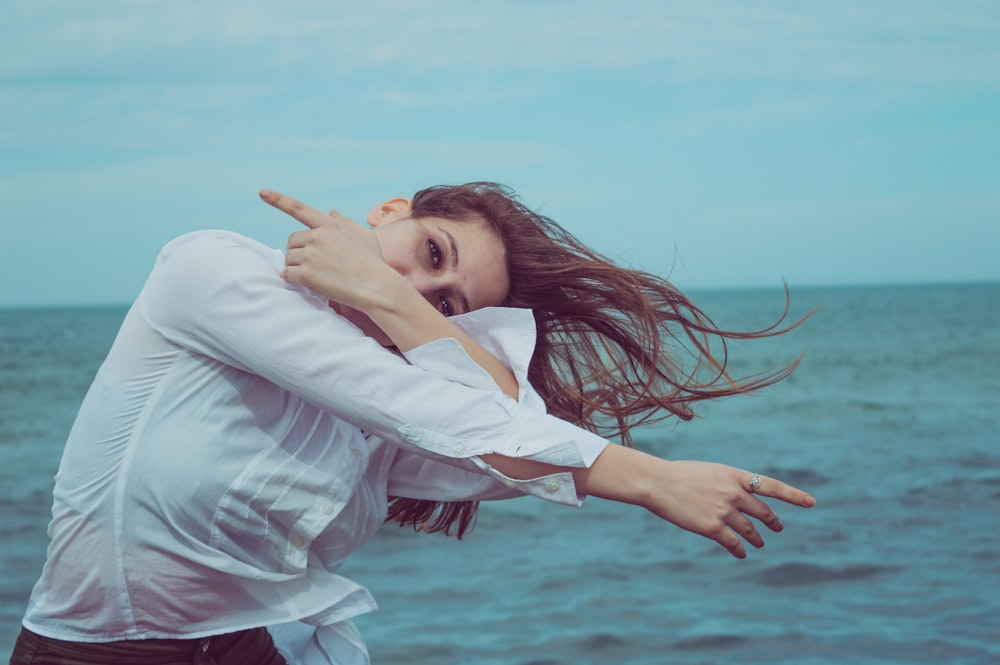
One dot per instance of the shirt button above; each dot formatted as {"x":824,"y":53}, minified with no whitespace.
{"x":327,"y":508}
{"x":299,"y":542}
{"x":508,"y":482}
{"x":356,"y":452}
{"x":459,"y":451}
{"x":552,"y":485}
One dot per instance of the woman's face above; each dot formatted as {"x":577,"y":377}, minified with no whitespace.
{"x":458,"y":266}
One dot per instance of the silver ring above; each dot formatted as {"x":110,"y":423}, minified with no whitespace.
{"x":754,"y":483}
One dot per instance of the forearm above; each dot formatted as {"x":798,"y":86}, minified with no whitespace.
{"x":409,"y":320}
{"x":619,"y":473}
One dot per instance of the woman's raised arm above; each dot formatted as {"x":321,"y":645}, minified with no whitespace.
{"x":342,"y":260}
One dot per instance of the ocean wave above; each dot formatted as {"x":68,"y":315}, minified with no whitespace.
{"x":795,"y":574}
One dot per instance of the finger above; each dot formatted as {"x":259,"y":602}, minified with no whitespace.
{"x":756,"y":508}
{"x":292,"y":274}
{"x":732,"y":542}
{"x":745,"y":528}
{"x":773,"y":522}
{"x":774,"y":488}
{"x":300,"y":211}
{"x":297,"y":274}
{"x":297,"y":240}
{"x":294,"y":257}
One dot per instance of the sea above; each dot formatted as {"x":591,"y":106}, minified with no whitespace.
{"x":891,"y":421}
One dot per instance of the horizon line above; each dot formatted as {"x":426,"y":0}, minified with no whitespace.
{"x":706,"y":289}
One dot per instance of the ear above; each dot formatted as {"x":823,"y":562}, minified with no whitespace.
{"x":388,"y":211}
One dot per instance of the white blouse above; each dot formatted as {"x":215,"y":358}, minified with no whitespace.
{"x":241,"y":440}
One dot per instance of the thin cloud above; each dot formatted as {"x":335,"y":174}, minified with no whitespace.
{"x":463,"y":96}
{"x":908,"y":42}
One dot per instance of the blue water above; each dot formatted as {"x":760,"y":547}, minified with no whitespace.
{"x":891,"y":422}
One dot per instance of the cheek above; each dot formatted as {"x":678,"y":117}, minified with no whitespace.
{"x":495,"y":286}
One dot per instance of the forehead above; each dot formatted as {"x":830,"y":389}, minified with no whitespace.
{"x":482,"y":260}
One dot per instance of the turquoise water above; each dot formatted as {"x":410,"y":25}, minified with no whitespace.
{"x":891,"y":422}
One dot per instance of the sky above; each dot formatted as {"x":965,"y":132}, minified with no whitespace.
{"x":726,"y":144}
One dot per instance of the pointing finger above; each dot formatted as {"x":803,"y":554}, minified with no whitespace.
{"x":305,"y":214}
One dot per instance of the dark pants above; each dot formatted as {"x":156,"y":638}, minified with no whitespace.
{"x":247,"y":647}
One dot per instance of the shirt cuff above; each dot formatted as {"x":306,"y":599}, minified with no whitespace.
{"x":557,"y":487}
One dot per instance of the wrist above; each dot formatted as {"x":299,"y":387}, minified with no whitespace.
{"x":404,"y":315}
{"x":387,"y":293}
{"x":623,"y":474}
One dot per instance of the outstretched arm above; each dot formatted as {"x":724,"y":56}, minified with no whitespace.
{"x":713,"y":500}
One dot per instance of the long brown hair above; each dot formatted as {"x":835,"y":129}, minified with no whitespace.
{"x":615,"y":347}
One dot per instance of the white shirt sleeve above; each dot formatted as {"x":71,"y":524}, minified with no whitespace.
{"x":416,"y":476}
{"x":509,"y":334}
{"x":220,"y":294}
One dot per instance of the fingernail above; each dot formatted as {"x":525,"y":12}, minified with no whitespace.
{"x":265,"y":193}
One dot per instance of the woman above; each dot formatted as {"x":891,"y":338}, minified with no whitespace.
{"x":241,"y":439}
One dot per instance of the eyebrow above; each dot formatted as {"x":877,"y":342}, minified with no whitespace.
{"x":454,"y":260}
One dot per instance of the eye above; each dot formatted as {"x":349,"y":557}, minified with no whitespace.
{"x":445,"y":306}
{"x":434,"y":250}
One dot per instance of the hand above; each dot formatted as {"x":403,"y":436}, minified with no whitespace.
{"x":335,"y":257}
{"x":717,"y":501}
{"x":711,"y":500}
